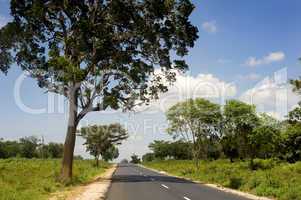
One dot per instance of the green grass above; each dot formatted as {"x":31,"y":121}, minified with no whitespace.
{"x":22,"y":179}
{"x":272,"y":178}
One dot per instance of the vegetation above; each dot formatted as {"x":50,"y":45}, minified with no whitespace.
{"x":196,"y":121}
{"x":236,"y":131}
{"x":162,"y":150}
{"x":135,"y":159}
{"x":102,"y":140}
{"x":273,"y":178}
{"x":98,"y":54}
{"x":35,"y":179}
{"x":30,"y":147}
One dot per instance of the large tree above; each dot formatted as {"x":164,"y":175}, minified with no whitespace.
{"x":135,"y":159}
{"x":97,"y":53}
{"x":240,"y":121}
{"x":110,"y":153}
{"x":101,"y":140}
{"x":196,"y":121}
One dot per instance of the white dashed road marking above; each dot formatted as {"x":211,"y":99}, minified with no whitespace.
{"x":164,"y":186}
{"x":186,"y":198}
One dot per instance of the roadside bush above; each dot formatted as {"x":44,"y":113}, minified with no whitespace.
{"x":187,"y":171}
{"x":265,"y":164}
{"x":273,"y":178}
{"x":234,"y":182}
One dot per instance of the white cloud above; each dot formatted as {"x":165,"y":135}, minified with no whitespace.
{"x":250,"y":77}
{"x":271,"y":57}
{"x":186,"y":87}
{"x":3,"y":21}
{"x":210,"y":26}
{"x":273,"y":98}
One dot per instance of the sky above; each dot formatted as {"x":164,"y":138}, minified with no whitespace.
{"x":247,"y":50}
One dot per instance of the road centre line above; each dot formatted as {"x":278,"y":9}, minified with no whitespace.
{"x":186,"y":198}
{"x":164,"y":186}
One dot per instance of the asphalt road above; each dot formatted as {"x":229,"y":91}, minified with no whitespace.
{"x":131,"y":182}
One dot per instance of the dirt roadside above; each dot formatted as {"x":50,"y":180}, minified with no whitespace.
{"x":96,"y":190}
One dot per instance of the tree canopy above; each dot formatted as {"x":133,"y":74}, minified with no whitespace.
{"x":135,"y":159}
{"x":101,"y":140}
{"x":30,"y":147}
{"x":196,"y":121}
{"x":104,"y":48}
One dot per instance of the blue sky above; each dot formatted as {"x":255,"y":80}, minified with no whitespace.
{"x":241,"y":43}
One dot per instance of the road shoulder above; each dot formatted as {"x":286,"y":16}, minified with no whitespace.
{"x":95,"y":190}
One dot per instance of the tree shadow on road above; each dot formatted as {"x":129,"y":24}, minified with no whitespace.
{"x":140,"y":178}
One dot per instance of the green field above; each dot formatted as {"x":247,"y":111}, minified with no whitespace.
{"x":22,"y":179}
{"x":272,"y":178}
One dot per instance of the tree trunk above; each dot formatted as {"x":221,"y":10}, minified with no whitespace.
{"x":252,"y":164}
{"x":67,"y":162}
{"x":97,"y":161}
{"x":196,"y":157}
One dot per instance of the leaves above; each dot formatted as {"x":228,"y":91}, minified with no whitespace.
{"x":108,"y":47}
{"x":101,"y":140}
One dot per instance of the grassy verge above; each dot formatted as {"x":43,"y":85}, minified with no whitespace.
{"x":272,"y":178}
{"x":22,"y":179}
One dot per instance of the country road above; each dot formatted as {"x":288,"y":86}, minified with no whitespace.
{"x":131,"y":182}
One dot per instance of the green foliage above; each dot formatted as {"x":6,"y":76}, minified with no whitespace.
{"x":294,"y":116}
{"x":240,"y":122}
{"x":234,"y":182}
{"x":101,"y":140}
{"x":292,"y":143}
{"x":30,"y":147}
{"x":230,"y":146}
{"x":266,"y":164}
{"x":53,"y":150}
{"x":160,"y":148}
{"x":265,"y":141}
{"x":296,"y":84}
{"x":197,"y":121}
{"x":274,"y":178}
{"x":178,"y":150}
{"x":98,"y":48}
{"x":22,"y":179}
{"x":9,"y":149}
{"x":110,"y":154}
{"x":148,"y":157}
{"x":237,"y":132}
{"x":135,"y":159}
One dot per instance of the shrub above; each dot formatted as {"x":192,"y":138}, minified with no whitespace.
{"x":264,"y":164}
{"x":272,"y":178}
{"x":235,"y":182}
